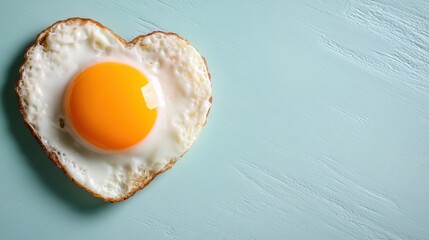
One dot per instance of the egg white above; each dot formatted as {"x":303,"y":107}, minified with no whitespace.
{"x":71,"y":46}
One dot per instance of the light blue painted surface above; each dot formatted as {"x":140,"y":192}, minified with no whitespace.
{"x":319,"y":127}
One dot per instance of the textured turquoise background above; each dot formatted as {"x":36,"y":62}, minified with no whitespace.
{"x":319,"y":127}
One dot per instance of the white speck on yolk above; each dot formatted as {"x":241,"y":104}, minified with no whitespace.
{"x":153,"y":95}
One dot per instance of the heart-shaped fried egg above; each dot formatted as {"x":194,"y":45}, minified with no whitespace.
{"x":111,"y":114}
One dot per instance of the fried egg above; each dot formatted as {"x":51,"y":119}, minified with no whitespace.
{"x":111,"y":114}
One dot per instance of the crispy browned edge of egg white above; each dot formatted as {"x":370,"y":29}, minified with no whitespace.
{"x":40,"y":40}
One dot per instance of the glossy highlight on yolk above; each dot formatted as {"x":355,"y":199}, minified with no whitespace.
{"x":106,"y":107}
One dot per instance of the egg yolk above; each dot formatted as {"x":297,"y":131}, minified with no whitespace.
{"x":106,"y":107}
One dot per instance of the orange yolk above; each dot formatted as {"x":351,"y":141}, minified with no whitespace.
{"x":106,"y":107}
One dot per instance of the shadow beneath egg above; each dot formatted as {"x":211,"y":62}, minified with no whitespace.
{"x":48,"y":174}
